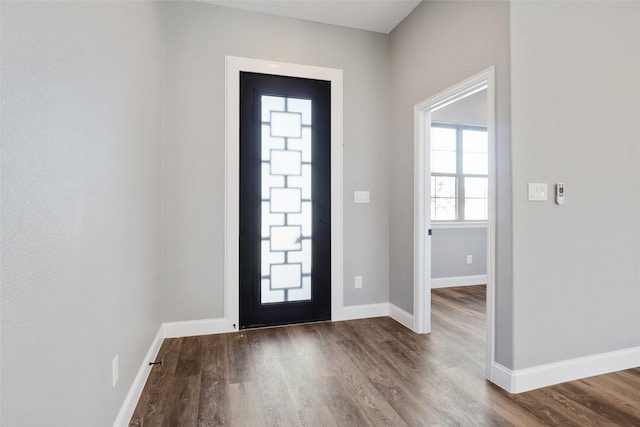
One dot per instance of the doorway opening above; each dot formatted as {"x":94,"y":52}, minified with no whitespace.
{"x":234,"y":67}
{"x":464,"y":210}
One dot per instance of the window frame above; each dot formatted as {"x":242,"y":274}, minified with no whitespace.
{"x":459,"y":176}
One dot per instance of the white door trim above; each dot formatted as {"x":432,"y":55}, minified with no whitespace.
{"x":234,"y":65}
{"x":422,"y":196}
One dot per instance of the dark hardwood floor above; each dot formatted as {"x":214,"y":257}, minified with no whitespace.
{"x":367,"y":372}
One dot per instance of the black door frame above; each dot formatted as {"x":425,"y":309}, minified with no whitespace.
{"x":252,"y":312}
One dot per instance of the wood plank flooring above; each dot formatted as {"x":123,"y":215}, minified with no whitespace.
{"x":367,"y":372}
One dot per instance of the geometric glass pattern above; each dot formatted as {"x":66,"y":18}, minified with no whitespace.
{"x":286,"y":125}
{"x":286,"y":199}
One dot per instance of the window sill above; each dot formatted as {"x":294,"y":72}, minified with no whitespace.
{"x":458,"y":224}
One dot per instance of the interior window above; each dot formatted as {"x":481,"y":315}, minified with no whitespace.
{"x":459,"y":167}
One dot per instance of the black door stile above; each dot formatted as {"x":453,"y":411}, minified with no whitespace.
{"x":289,"y":288}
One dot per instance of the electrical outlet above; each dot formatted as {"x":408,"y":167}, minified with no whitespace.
{"x":358,"y":282}
{"x":469,"y":259}
{"x":114,"y":371}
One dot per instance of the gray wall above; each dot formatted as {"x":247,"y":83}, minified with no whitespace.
{"x":81,"y":126}
{"x":575,"y":119}
{"x":471,"y":110}
{"x":437,"y":46}
{"x":449,"y":250}
{"x":198,"y":38}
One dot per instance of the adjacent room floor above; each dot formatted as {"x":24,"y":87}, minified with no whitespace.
{"x":366,"y":372}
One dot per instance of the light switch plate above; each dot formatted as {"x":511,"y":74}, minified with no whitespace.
{"x":538,"y":192}
{"x":361,"y":196}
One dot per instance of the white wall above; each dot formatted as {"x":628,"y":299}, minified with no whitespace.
{"x":198,"y":38}
{"x":81,"y":128}
{"x":575,"y":70}
{"x":438,"y":45}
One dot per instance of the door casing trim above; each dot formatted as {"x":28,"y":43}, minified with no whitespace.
{"x":422,"y":197}
{"x":234,"y":65}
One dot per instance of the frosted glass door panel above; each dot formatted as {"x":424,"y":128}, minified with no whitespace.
{"x":286,"y":199}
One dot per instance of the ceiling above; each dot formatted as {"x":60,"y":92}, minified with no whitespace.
{"x":380,"y":16}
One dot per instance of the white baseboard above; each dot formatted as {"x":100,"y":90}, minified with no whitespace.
{"x":192,"y":328}
{"x":352,"y":312}
{"x":221,"y":326}
{"x":521,"y":380}
{"x":401,"y":316}
{"x":449,"y":282}
{"x":502,"y":377}
{"x":130,"y":402}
